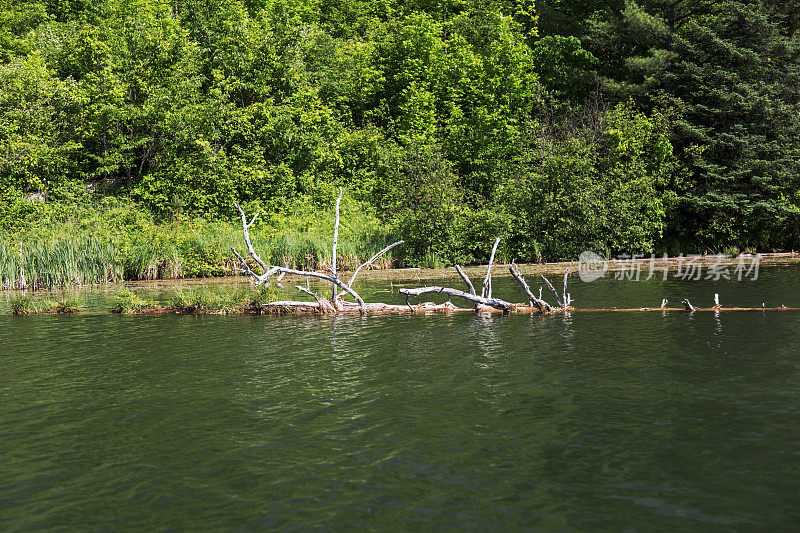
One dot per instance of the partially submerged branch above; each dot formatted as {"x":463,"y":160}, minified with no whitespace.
{"x":466,"y":279}
{"x":326,"y":277}
{"x":550,"y":286}
{"x":491,"y":302}
{"x":538,"y":303}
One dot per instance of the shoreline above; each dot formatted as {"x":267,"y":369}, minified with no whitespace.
{"x":423,"y":273}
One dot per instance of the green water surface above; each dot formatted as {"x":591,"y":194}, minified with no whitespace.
{"x":588,"y":422}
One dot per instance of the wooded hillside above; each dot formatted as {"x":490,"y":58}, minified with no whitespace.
{"x":561,"y":126}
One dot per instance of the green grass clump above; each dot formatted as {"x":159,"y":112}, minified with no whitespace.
{"x":126,"y":301}
{"x":430,"y":260}
{"x":262,"y":295}
{"x":189,"y":301}
{"x":67,"y":306}
{"x":23,"y":304}
{"x":26,"y":305}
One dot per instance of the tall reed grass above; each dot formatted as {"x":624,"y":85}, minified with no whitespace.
{"x":45,"y":264}
{"x":123,"y":242}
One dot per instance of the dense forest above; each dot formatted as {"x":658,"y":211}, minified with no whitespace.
{"x":657,"y":126}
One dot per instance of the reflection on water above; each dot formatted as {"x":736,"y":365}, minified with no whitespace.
{"x":586,"y":421}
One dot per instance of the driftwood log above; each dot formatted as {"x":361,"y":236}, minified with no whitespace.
{"x":490,"y":302}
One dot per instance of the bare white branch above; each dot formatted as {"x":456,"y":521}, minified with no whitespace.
{"x":335,"y":242}
{"x":491,"y":302}
{"x":486,"y":291}
{"x":257,"y":279}
{"x":538,"y":303}
{"x":371,"y":260}
{"x":466,"y":279}
{"x":245,"y":227}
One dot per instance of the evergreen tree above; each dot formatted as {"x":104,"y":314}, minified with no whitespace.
{"x":730,"y":71}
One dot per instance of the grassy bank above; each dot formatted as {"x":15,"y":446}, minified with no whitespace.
{"x":183,"y":301}
{"x":69,"y":245}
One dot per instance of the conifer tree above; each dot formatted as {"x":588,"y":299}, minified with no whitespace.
{"x":729,"y":69}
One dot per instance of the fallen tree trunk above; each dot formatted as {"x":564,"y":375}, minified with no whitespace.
{"x":483,"y":302}
{"x":326,"y":277}
{"x":270,"y":270}
{"x":324,"y":305}
{"x":491,"y":302}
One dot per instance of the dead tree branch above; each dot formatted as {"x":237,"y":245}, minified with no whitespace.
{"x":258,"y":279}
{"x":538,"y":303}
{"x":371,"y":260}
{"x":550,"y":286}
{"x":491,"y":302}
{"x":334,"y":270}
{"x":466,"y":279}
{"x":486,"y":291}
{"x":245,"y":228}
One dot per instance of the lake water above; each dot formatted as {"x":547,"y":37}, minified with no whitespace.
{"x":594,"y":421}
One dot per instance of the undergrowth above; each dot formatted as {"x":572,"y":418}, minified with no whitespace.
{"x":117,"y":240}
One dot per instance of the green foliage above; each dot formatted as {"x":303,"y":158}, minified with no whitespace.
{"x":22,"y":304}
{"x":423,"y":198}
{"x":564,"y":66}
{"x":601,"y":189}
{"x":126,"y":301}
{"x":448,"y":124}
